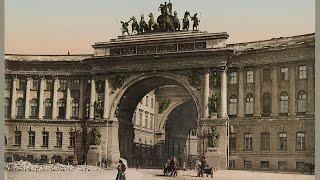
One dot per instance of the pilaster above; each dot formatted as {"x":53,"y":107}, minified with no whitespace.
{"x":241,"y":94}
{"x":14,"y":97}
{"x":257,"y":93}
{"x":27,"y":99}
{"x":55,"y":99}
{"x":41,"y":101}
{"x":92,"y":98}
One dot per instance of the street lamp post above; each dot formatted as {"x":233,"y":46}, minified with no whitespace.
{"x":203,"y":133}
{"x":75,"y":135}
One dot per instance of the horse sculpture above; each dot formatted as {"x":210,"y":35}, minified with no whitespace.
{"x":176,"y":22}
{"x":134,"y":25}
{"x":185,"y":21}
{"x":152,"y":25}
{"x":143,"y":25}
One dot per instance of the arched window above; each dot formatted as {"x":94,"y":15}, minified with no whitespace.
{"x":249,"y":104}
{"x":47,"y":108}
{"x":75,"y":108}
{"x":20,"y":107}
{"x":62,"y":109}
{"x":302,"y":106}
{"x":284,"y":103}
{"x":33,"y":108}
{"x":266,"y":105}
{"x":6,"y":107}
{"x":86,"y":108}
{"x":233,"y":102}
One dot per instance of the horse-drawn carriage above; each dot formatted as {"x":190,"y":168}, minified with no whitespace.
{"x":170,"y":170}
{"x":206,"y":170}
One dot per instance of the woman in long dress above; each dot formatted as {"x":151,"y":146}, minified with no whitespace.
{"x":121,"y":170}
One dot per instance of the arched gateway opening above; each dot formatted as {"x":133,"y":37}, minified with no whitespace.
{"x":180,"y":120}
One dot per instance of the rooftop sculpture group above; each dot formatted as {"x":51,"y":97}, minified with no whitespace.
{"x":166,"y":22}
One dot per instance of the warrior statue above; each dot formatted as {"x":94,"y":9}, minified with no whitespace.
{"x":152,"y":23}
{"x":213,"y":137}
{"x":143,"y":25}
{"x":185,"y":22}
{"x":196,"y":21}
{"x":124,"y":28}
{"x":134,"y":25}
{"x":95,"y":135}
{"x":176,"y":22}
{"x":170,"y":7}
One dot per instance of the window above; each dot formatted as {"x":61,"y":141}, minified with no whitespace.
{"x":233,"y":105}
{"x":232,"y":164}
{"x":302,"y":102}
{"x":303,"y":72}
{"x":282,"y":141}
{"x":247,"y":164}
{"x":32,"y":138}
{"x":63,"y":85}
{"x":151,"y":121}
{"x":249,"y":105}
{"x":49,"y":84}
{"x":300,"y":141}
{"x":16,"y":157}
{"x":43,"y":159}
{"x":17,"y":138}
{"x":48,"y":108}
{"x":35,"y":85}
{"x":45,"y":139}
{"x":147,"y":100}
{"x":6,"y":107}
{"x":265,"y":141}
{"x":299,"y":166}
{"x":71,"y":139}
{"x":266,"y":106}
{"x":151,"y":103}
{"x":146,"y":119}
{"x":87,"y":108}
{"x":22,"y":84}
{"x":59,"y":139}
{"x":8,"y":83}
{"x":87,"y":86}
{"x":284,"y":74}
{"x":284,"y":103}
{"x":75,"y":108}
{"x":140,"y":117}
{"x":33,"y":108}
{"x":266,"y":74}
{"x":20,"y":107}
{"x":62,"y":111}
{"x":264,"y":164}
{"x":249,"y":76}
{"x":281,"y":165}
{"x":233,"y":78}
{"x":5,"y":140}
{"x":248,"y":142}
{"x":75,"y":84}
{"x":232,"y":142}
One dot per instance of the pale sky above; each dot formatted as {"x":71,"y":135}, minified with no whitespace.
{"x":56,"y":26}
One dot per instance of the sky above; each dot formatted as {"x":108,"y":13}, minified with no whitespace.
{"x":59,"y":26}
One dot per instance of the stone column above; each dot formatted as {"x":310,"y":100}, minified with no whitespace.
{"x":92,"y":98}
{"x":14,"y":97}
{"x":81,"y":100}
{"x":241,"y":93}
{"x":311,"y":89}
{"x":113,"y":147}
{"x":275,"y":92}
{"x":206,"y":90}
{"x":292,"y":91}
{"x":68,"y":101}
{"x":27,"y":99}
{"x":257,"y":87}
{"x":106,"y":99}
{"x":223,"y":94}
{"x":55,"y":99}
{"x":41,"y":101}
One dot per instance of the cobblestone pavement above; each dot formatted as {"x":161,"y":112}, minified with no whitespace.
{"x":144,"y":174}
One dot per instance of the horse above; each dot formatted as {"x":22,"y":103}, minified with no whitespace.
{"x":152,"y":25}
{"x":134,"y":25}
{"x":165,"y":22}
{"x":176,"y":22}
{"x":143,"y":25}
{"x":185,"y":21}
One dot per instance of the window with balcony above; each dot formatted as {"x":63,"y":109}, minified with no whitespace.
{"x":33,"y":108}
{"x":20,"y":107}
{"x":75,"y":108}
{"x":47,"y":108}
{"x":233,"y":103}
{"x":61,"y":108}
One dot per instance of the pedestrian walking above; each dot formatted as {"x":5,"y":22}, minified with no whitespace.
{"x":122,"y":166}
